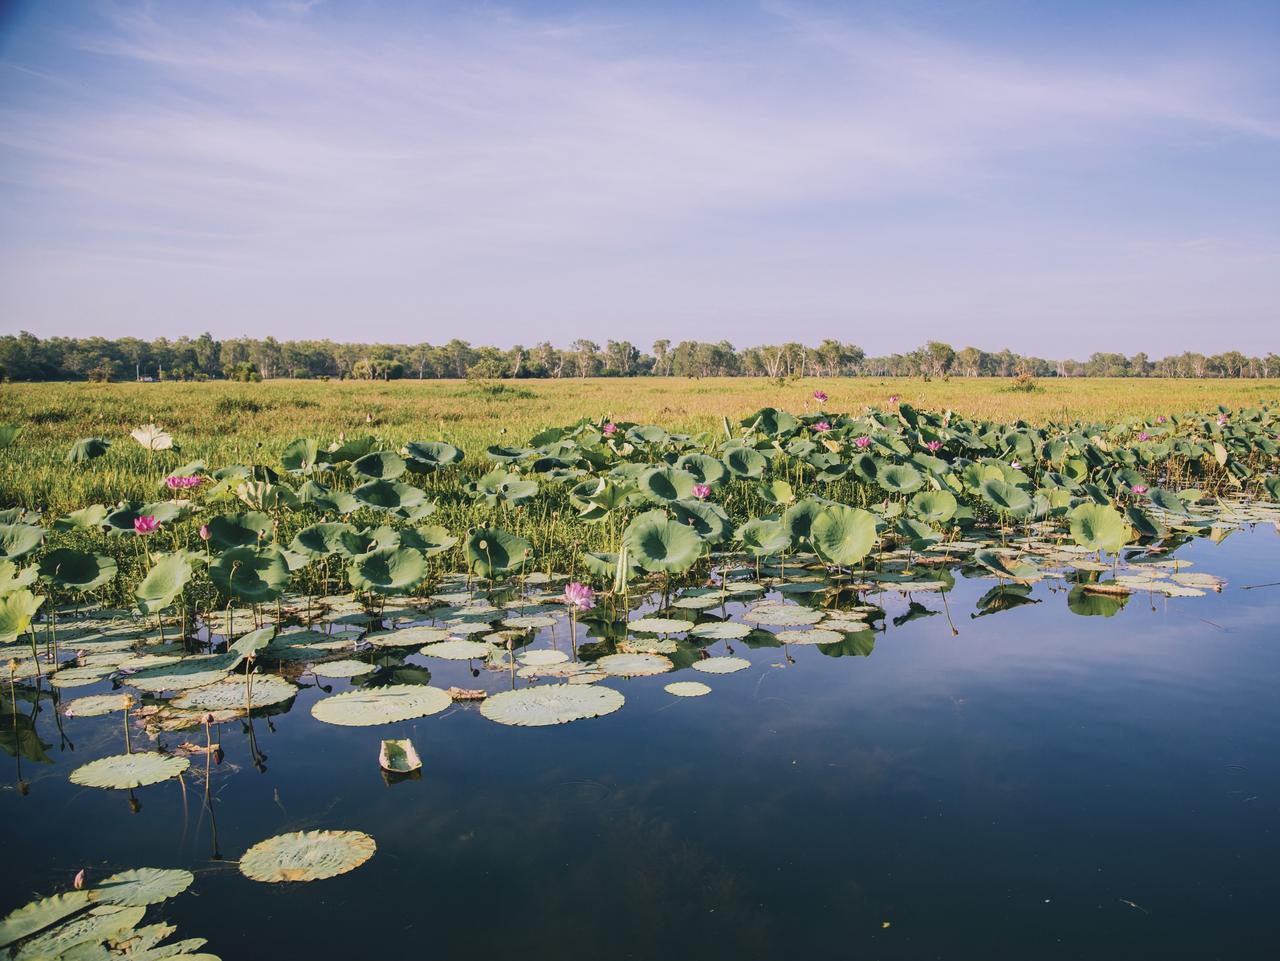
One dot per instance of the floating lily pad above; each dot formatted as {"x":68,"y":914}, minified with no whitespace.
{"x":267,"y":689}
{"x":658,"y":625}
{"x":816,"y":636}
{"x":551,"y":704}
{"x":542,"y":657}
{"x":306,"y":856}
{"x":408,"y":637}
{"x":721,"y":631}
{"x":347,"y":668}
{"x":634,"y":665}
{"x":142,"y":886}
{"x":457,"y":649}
{"x":721,"y":665}
{"x":399,"y":757}
{"x":687,"y":688}
{"x":95,"y":705}
{"x":777,"y":615}
{"x":38,"y":915}
{"x":124,"y":771}
{"x":381,"y":705}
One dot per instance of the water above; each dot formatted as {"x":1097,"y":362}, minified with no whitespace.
{"x":1041,"y":785}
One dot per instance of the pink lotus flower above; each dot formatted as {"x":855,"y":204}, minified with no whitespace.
{"x":893,"y":399}
{"x":820,"y":396}
{"x":1015,"y":465}
{"x":822,"y":427}
{"x":1161,"y":419}
{"x":1222,"y":420}
{"x":1139,"y":488}
{"x":204,"y":532}
{"x":863,"y":441}
{"x":701,"y":491}
{"x":146,"y":524}
{"x":182,"y":483}
{"x":610,"y":429}
{"x":1144,"y":436}
{"x":78,"y":883}
{"x":579,"y":596}
{"x":933,"y":446}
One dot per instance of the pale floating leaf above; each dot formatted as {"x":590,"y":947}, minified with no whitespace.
{"x":38,"y":915}
{"x":306,"y":856}
{"x":267,"y":689}
{"x":687,"y":688}
{"x":721,"y":665}
{"x":551,"y":704}
{"x":142,"y":886}
{"x":658,"y":625}
{"x":95,"y":705}
{"x":381,"y":705}
{"x":399,"y":757}
{"x":124,"y":771}
{"x":349,"y":668}
{"x":634,"y":665}
{"x":457,"y":649}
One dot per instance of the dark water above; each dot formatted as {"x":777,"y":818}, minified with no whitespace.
{"x":1043,"y":785}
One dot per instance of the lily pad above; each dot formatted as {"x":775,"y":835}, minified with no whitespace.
{"x":124,"y":771}
{"x":306,"y":856}
{"x":267,"y":689}
{"x":687,"y":688}
{"x":142,"y":886}
{"x":658,"y":625}
{"x":95,"y":705}
{"x":721,"y":665}
{"x":634,"y":665}
{"x":38,"y":915}
{"x":551,"y":704}
{"x":347,"y":668}
{"x":381,"y":705}
{"x":457,"y":649}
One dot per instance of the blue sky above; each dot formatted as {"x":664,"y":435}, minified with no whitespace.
{"x":1051,"y":177}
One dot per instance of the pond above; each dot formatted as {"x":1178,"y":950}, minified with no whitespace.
{"x":1035,"y":784}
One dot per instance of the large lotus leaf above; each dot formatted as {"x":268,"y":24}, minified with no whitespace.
{"x":124,"y":771}
{"x":776,"y":492}
{"x":763,"y":537}
{"x":899,"y":479}
{"x":379,"y":465}
{"x":1099,"y":528}
{"x":431,"y":539}
{"x":720,"y":631}
{"x":165,"y":512}
{"x":647,"y":434}
{"x":197,"y":670}
{"x":300,"y":456}
{"x":662,"y":485}
{"x":603,"y":564}
{"x":95,"y":705}
{"x":658,"y":625}
{"x":457,"y":649}
{"x":267,"y":496}
{"x":1168,"y":501}
{"x":424,"y":457}
{"x":348,"y":450}
{"x":88,"y":518}
{"x":491,"y":551}
{"x":87,"y":448}
{"x":1003,"y":566}
{"x":772,"y":422}
{"x":19,"y":540}
{"x":238,"y":530}
{"x":16,"y":611}
{"x":634,"y":665}
{"x":706,"y":469}
{"x":323,"y":540}
{"x":80,"y":570}
{"x":253,"y":642}
{"x":164,"y":582}
{"x":38,"y":915}
{"x":388,"y":495}
{"x":501,"y":487}
{"x":934,"y":507}
{"x":721,"y":665}
{"x":549,"y":704}
{"x":660,"y":544}
{"x":236,"y":693}
{"x":843,"y":535}
{"x":381,"y":705}
{"x":252,"y":575}
{"x":306,"y":856}
{"x":142,"y":886}
{"x":392,"y":570}
{"x":783,"y":615}
{"x":798,"y":519}
{"x":1005,"y":497}
{"x":709,"y":520}
{"x":745,"y":462}
{"x":14,"y":578}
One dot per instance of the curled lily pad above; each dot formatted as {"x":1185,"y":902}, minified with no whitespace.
{"x":634,"y":665}
{"x":550,"y":704}
{"x":381,"y":705}
{"x":721,"y":665}
{"x":142,"y":886}
{"x":124,"y":771}
{"x":457,"y":649}
{"x":687,"y":688}
{"x":399,"y":757}
{"x":306,"y":856}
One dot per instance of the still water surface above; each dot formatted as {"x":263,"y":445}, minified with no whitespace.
{"x":1041,"y":785}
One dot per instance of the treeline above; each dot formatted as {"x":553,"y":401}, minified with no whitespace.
{"x":27,"y":357}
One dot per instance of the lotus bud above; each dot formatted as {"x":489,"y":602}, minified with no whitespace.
{"x":204,"y":532}
{"x":208,"y":718}
{"x":78,"y":883}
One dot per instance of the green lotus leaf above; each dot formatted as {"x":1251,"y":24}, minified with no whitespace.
{"x":1168,"y":501}
{"x":798,"y":520}
{"x":687,"y":689}
{"x":1099,"y":528}
{"x":82,"y":936}
{"x":381,"y":705}
{"x":662,"y":485}
{"x":842,"y":535}
{"x":88,"y":518}
{"x":1005,"y":497}
{"x":327,"y":539}
{"x":14,"y":578}
{"x":16,"y":611}
{"x":606,"y":565}
{"x":388,"y":495}
{"x":647,"y":435}
{"x":763,"y":538}
{"x":40,"y":914}
{"x":95,"y":705}
{"x":253,"y":642}
{"x":236,"y":694}
{"x":19,"y":540}
{"x":122,"y":772}
{"x":634,"y":665}
{"x":1002,"y":566}
{"x":238,"y":530}
{"x":429,"y":540}
{"x":721,"y":665}
{"x":1272,"y":486}
{"x":706,"y":470}
{"x":392,"y":570}
{"x":660,"y":544}
{"x":379,"y":465}
{"x":194,"y":671}
{"x":164,"y":582}
{"x":783,"y":615}
{"x":899,"y":479}
{"x":549,"y":704}
{"x":934,"y":507}
{"x":87,"y":448}
{"x":347,"y":450}
{"x":776,"y":492}
{"x":306,"y":856}
{"x":142,"y":886}
{"x":301,"y":456}
{"x":425,"y":457}
{"x":252,"y":575}
{"x":79,"y":570}
{"x":710,"y":521}
{"x":491,"y":551}
{"x":745,"y":462}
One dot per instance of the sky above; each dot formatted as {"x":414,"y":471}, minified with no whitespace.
{"x":1052,"y":177}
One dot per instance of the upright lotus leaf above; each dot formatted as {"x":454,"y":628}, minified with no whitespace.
{"x":1168,"y":501}
{"x":430,"y":540}
{"x":15,"y":578}
{"x":648,"y":435}
{"x":1005,"y":497}
{"x":238,"y":530}
{"x":388,"y":495}
{"x":1099,"y":528}
{"x":391,"y":570}
{"x":763,"y":537}
{"x":1144,"y":525}
{"x":253,"y":642}
{"x":899,"y":479}
{"x":121,"y":520}
{"x":9,"y":434}
{"x":153,"y":438}
{"x":306,"y":856}
{"x":508,"y":455}
{"x":934,"y":507}
{"x":745,"y":462}
{"x":251,"y":574}
{"x":19,"y":540}
{"x":501,"y":487}
{"x":798,"y":520}
{"x":78,"y":570}
{"x":771,"y":422}
{"x":776,"y":492}
{"x":706,"y":470}
{"x":301,"y":456}
{"x":87,"y":448}
{"x":1272,"y":486}
{"x":164,"y":582}
{"x":842,"y":535}
{"x":663,"y":485}
{"x":660,"y":544}
{"x":349,"y":450}
{"x":603,"y":564}
{"x":379,"y":465}
{"x":425,"y":457}
{"x":491,"y":551}
{"x":262,"y":495}
{"x":16,"y":611}
{"x":325,"y":540}
{"x":710,"y":521}
{"x":89,"y":518}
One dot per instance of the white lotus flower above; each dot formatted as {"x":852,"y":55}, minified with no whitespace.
{"x":152,"y":437}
